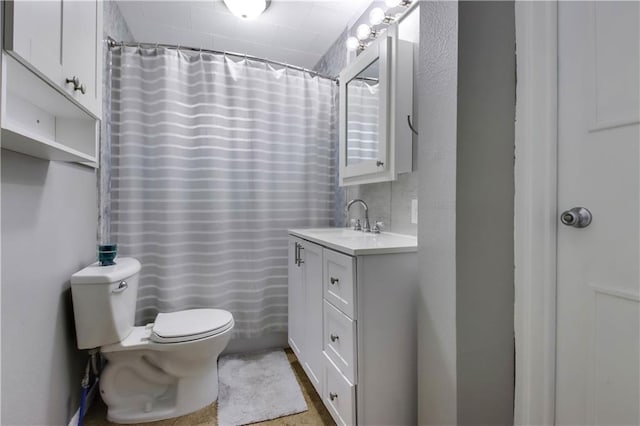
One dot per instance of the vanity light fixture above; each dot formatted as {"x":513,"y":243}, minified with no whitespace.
{"x":377,"y":16}
{"x":364,"y":31}
{"x":354,"y":44}
{"x":247,"y":9}
{"x":396,"y":3}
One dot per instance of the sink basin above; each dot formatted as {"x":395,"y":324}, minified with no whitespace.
{"x":357,"y":243}
{"x":342,"y":233}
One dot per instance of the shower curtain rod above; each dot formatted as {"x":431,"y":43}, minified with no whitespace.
{"x":112,"y":43}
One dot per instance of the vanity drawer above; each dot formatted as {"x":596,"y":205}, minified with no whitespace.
{"x":339,"y":281}
{"x":340,"y":340}
{"x":339,"y":394}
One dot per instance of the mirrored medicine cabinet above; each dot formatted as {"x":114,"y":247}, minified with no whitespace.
{"x":376,"y":101}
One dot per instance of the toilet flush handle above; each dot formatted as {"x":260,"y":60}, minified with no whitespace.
{"x":122,"y":287}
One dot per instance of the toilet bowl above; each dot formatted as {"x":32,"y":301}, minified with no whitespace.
{"x":165,"y":369}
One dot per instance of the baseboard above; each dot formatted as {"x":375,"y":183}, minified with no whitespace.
{"x":91,"y":395}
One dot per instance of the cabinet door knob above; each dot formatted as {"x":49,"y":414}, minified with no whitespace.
{"x":334,"y":337}
{"x":76,"y":84}
{"x":75,"y":80}
{"x":379,"y":163}
{"x":334,"y":280}
{"x":332,"y":396}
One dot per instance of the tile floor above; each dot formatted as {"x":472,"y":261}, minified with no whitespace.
{"x":317,"y":414}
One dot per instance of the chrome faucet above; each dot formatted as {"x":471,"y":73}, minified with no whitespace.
{"x":365,"y":226}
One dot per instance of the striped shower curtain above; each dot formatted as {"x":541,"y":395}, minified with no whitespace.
{"x":362,"y":120}
{"x":213,"y":158}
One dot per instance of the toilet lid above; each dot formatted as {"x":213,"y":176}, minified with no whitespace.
{"x":191,"y":324}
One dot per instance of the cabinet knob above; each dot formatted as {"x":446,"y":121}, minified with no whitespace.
{"x":334,"y":337}
{"x":73,"y":80}
{"x":76,"y":84}
{"x":379,"y":163}
{"x":332,"y":396}
{"x":334,"y":280}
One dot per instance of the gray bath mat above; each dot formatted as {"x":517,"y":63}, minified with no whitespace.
{"x":257,"y":387}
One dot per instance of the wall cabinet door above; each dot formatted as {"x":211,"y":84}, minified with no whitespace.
{"x":32,"y":31}
{"x":305,"y":307}
{"x":296,"y":301}
{"x":59,"y":40}
{"x":311,"y":255}
{"x":82,"y":51}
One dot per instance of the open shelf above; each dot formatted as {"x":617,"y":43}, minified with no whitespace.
{"x":38,"y":120}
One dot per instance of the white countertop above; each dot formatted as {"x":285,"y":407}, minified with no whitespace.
{"x":357,"y":243}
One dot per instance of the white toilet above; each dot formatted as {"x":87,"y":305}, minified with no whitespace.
{"x":158,"y":371}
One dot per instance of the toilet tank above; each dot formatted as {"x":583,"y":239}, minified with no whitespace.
{"x":104,"y":302}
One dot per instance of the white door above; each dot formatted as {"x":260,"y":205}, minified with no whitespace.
{"x":597,"y":366}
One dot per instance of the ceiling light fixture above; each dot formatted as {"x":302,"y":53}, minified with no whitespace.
{"x":247,"y":9}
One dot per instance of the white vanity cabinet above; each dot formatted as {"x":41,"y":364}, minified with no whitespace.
{"x":352,"y":322}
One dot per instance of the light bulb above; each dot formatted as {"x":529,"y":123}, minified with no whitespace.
{"x":246,"y":9}
{"x":376,"y":16}
{"x":352,"y":43}
{"x":393,"y":3}
{"x":363,"y":32}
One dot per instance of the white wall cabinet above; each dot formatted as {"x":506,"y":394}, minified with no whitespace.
{"x":352,"y":324}
{"x":59,"y":40}
{"x":376,"y":101}
{"x":45,"y":43}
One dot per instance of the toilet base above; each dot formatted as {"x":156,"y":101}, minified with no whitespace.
{"x":185,"y":396}
{"x":145,"y":382}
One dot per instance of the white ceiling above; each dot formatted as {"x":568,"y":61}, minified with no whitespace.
{"x":294,"y":32}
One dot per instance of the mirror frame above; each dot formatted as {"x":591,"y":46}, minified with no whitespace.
{"x":378,"y":50}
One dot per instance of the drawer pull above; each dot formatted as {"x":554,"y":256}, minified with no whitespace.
{"x":334,"y":337}
{"x":334,"y":280}
{"x":332,"y":396}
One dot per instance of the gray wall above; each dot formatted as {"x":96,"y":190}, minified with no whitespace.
{"x":387,"y":201}
{"x":484,"y":201}
{"x":437,"y":94}
{"x":467,"y":112}
{"x":48,"y":230}
{"x":116,"y":27}
{"x":48,"y":233}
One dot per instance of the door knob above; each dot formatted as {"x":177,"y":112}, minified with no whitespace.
{"x":578,"y":217}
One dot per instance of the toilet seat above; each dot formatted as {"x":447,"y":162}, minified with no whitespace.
{"x":190,"y":324}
